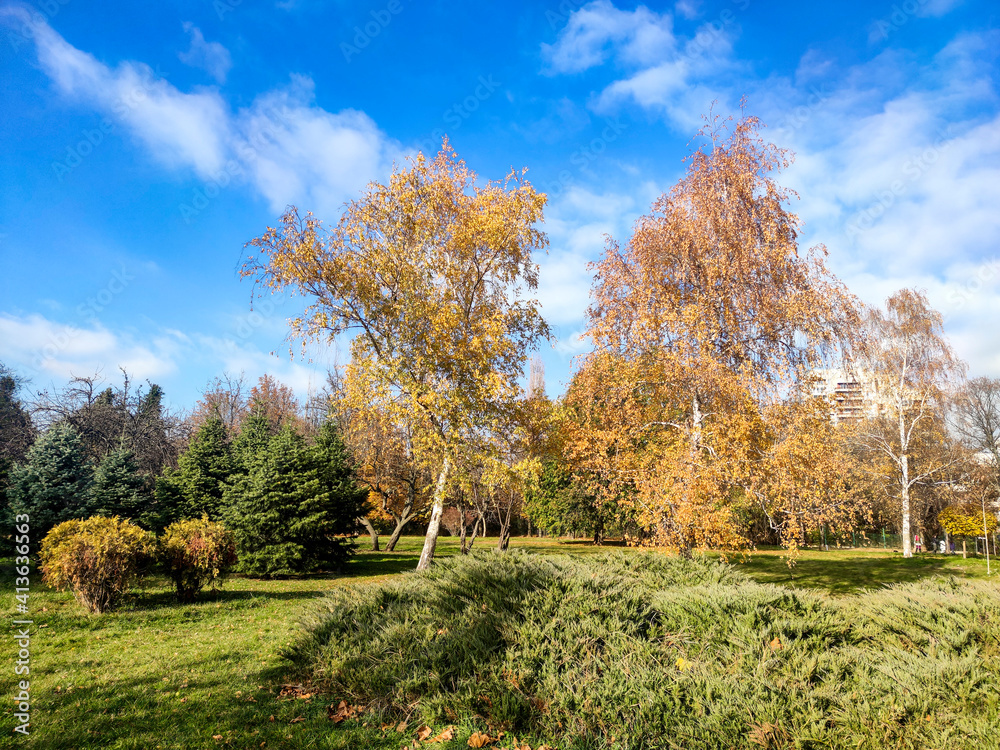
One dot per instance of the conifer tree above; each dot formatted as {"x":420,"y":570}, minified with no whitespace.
{"x":251,"y":444}
{"x":203,"y":472}
{"x":340,"y":497}
{"x":53,"y":485}
{"x":287,"y":512}
{"x":119,"y":489}
{"x":16,"y":434}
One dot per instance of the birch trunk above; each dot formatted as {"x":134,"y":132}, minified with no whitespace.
{"x":434,"y":527}
{"x":371,"y":532}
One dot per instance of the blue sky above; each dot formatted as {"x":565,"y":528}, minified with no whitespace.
{"x":143,"y":144}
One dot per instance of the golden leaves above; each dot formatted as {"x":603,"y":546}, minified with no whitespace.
{"x":478,"y":739}
{"x":342,"y":712}
{"x":701,"y":321}
{"x":446,"y":735}
{"x":428,"y":271}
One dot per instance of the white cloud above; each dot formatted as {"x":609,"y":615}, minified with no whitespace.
{"x":937,"y":8}
{"x":211,"y":57}
{"x":689,"y":9}
{"x":578,"y":223}
{"x":47,"y":352}
{"x":180,"y":129}
{"x":303,"y":375}
{"x":289,"y":149}
{"x":599,"y":30}
{"x":898,"y":168}
{"x":898,"y":159}
{"x":42,"y":348}
{"x":295,"y":150}
{"x":668,"y":73}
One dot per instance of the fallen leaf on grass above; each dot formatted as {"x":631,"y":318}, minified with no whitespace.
{"x":216,"y":736}
{"x":448,"y":733}
{"x":424,"y":732}
{"x":295,"y":691}
{"x":478,"y":739}
{"x":776,"y":644}
{"x":297,"y":719}
{"x":401,"y":726}
{"x":341,"y":712}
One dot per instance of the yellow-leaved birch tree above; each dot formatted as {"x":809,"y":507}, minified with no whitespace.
{"x":705,"y":315}
{"x":911,"y":372}
{"x":430,"y":273}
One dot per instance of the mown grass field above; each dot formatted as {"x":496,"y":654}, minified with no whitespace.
{"x":159,"y":674}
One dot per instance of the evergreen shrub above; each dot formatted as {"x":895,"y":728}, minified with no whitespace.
{"x":646,"y":651}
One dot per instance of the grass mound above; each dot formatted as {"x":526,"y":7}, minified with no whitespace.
{"x":660,"y":652}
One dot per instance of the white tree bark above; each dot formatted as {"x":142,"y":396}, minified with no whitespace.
{"x":437,"y":509}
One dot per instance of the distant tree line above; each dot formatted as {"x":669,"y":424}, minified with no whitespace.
{"x":284,"y":488}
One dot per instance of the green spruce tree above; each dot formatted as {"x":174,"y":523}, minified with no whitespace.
{"x":251,"y":444}
{"x":53,"y":485}
{"x":119,"y":489}
{"x":203,"y":472}
{"x":288,"y":511}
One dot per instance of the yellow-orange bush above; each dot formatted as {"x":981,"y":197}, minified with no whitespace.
{"x":197,"y":552}
{"x":98,"y":559}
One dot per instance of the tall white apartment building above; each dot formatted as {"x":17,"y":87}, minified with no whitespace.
{"x":852,"y":396}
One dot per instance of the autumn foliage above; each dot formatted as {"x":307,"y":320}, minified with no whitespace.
{"x":701,"y":321}
{"x":97,"y":559}
{"x":197,"y":553}
{"x":427,"y":273}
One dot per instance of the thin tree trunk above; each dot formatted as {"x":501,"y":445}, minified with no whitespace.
{"x":463,"y":527}
{"x":434,"y":527}
{"x":907,"y":540}
{"x":371,"y":532}
{"x":397,"y":532}
{"x":475,"y":531}
{"x":697,"y":419}
{"x":402,"y":519}
{"x":505,"y":522}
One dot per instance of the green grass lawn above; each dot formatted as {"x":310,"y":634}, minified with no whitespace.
{"x":159,"y":674}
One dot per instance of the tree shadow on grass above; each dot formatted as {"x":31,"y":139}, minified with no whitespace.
{"x":149,"y":711}
{"x":844,"y":575}
{"x":381,"y":563}
{"x":144,"y":601}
